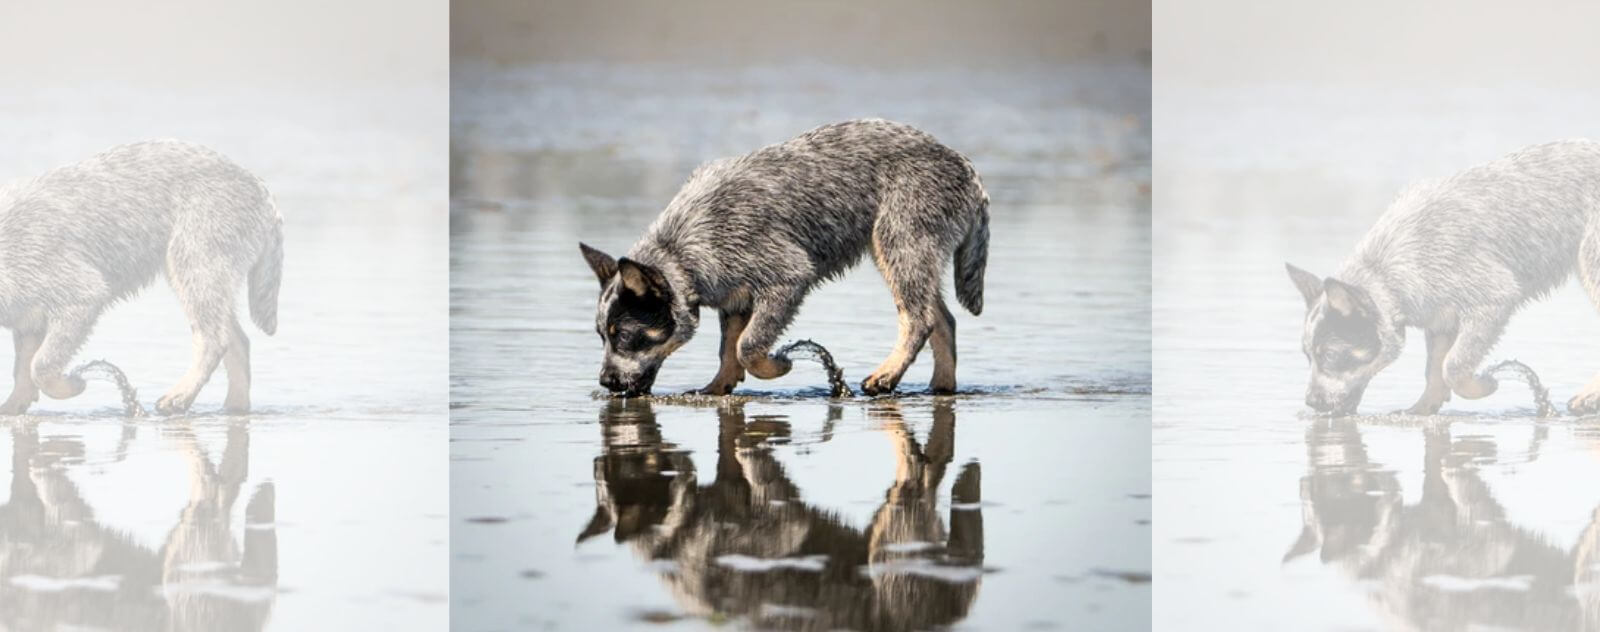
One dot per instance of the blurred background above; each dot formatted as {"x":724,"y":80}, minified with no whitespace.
{"x":580,"y":121}
{"x":325,"y":508}
{"x":1285,"y":129}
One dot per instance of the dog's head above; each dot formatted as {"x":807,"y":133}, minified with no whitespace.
{"x":638,"y":320}
{"x":1346,"y":338}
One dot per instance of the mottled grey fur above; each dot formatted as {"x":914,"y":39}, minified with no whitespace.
{"x":750,"y":236}
{"x":82,"y":237}
{"x":1456,"y":258}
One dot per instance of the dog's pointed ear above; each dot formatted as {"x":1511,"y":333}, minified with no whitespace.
{"x":603,"y":265}
{"x":642,"y":279}
{"x":1309,"y":285}
{"x":1346,"y":299}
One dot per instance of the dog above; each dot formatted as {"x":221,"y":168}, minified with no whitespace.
{"x":82,"y":237}
{"x":751,"y":236}
{"x":1455,"y":258}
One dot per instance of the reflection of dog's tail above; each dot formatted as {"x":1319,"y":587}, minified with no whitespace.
{"x":265,"y":276}
{"x":972,"y":256}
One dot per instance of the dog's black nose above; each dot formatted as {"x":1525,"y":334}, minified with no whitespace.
{"x":611,"y":381}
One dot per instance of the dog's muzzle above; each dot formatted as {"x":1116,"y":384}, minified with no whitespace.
{"x":629,"y":387}
{"x":1332,"y":404}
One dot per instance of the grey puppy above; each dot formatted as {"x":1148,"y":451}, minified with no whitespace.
{"x":1455,"y":258}
{"x":750,"y":236}
{"x":84,"y":236}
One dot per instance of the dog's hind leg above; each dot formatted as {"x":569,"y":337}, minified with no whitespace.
{"x":23,"y":390}
{"x":944,"y":351}
{"x":1438,"y":390}
{"x":916,"y":325}
{"x":770,"y":314}
{"x":911,"y":262}
{"x":730,"y":373}
{"x":1587,"y":401}
{"x":206,"y":294}
{"x":237,"y":362}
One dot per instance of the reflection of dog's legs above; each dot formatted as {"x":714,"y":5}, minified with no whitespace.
{"x":772,"y":312}
{"x":237,"y":361}
{"x":23,"y":391}
{"x":1473,"y":342}
{"x":1587,"y":400}
{"x":1438,"y":391}
{"x":730,"y":372}
{"x":207,"y":299}
{"x":1587,"y":565}
{"x":63,"y":336}
{"x":966,"y":517}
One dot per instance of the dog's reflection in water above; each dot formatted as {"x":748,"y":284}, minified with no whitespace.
{"x":1453,"y":560}
{"x":747,"y":545}
{"x":61,"y":568}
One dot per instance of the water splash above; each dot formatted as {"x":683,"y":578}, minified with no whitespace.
{"x":130,"y":396}
{"x":820,"y":353}
{"x":1541,"y":395}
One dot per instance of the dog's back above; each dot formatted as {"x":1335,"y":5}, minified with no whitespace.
{"x":1514,"y":223}
{"x":125,"y":215}
{"x":811,"y":205}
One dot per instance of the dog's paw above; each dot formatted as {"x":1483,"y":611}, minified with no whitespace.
{"x":1585,"y":403}
{"x":13,"y":408}
{"x":879,"y":384}
{"x":63,"y":387}
{"x":770,"y":367}
{"x":1479,"y":387}
{"x":715,"y":388}
{"x":174,"y":404}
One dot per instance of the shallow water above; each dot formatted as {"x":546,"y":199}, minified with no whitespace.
{"x":1482,"y":517}
{"x":323,"y":509}
{"x":1021,"y":501}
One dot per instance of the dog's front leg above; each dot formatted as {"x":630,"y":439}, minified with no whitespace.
{"x":1438,"y":391}
{"x":23,"y":390}
{"x":64,"y":335}
{"x":771,"y":314}
{"x":1461,"y":362}
{"x":730,"y":373}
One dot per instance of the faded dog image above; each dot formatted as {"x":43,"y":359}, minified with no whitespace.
{"x":222,"y":268}
{"x":712,"y":270}
{"x":1393,"y":434}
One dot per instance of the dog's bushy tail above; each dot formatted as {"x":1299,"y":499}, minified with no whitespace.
{"x":972,"y":256}
{"x":265,"y":277}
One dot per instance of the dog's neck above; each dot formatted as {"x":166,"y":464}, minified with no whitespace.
{"x":1391,"y":306}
